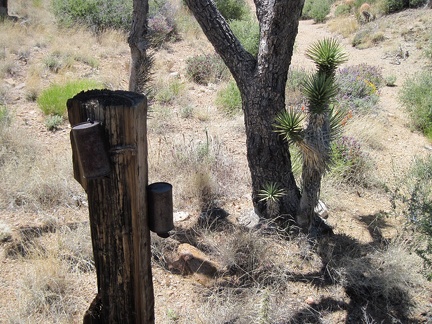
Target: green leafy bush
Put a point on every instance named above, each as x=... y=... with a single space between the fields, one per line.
x=316 y=10
x=98 y=14
x=349 y=162
x=247 y=31
x=391 y=6
x=232 y=9
x=168 y=91
x=358 y=87
x=4 y=117
x=417 y=3
x=229 y=98
x=206 y=68
x=52 y=100
x=342 y=10
x=296 y=77
x=413 y=198
x=390 y=80
x=162 y=22
x=416 y=96
x=428 y=48
x=101 y=14
x=53 y=122
x=367 y=37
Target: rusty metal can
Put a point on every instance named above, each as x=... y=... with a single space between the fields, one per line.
x=91 y=150
x=160 y=208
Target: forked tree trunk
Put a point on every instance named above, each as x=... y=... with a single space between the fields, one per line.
x=261 y=82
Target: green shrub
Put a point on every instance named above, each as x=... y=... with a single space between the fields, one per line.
x=296 y=77
x=162 y=23
x=349 y=162
x=232 y=9
x=4 y=117
x=417 y=3
x=416 y=96
x=358 y=87
x=367 y=37
x=413 y=198
x=206 y=68
x=247 y=31
x=342 y=10
x=52 y=100
x=53 y=122
x=390 y=6
x=97 y=14
x=390 y=80
x=168 y=91
x=187 y=111
x=316 y=10
x=229 y=99
x=428 y=48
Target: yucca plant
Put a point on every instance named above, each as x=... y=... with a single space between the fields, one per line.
x=327 y=55
x=323 y=124
x=271 y=194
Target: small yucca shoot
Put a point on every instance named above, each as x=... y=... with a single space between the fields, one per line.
x=271 y=194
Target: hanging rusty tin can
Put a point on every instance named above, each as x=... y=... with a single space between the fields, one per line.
x=91 y=150
x=160 y=208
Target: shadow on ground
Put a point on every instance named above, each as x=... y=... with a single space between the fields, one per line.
x=374 y=296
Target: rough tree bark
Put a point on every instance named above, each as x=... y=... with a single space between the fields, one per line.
x=138 y=43
x=3 y=8
x=261 y=82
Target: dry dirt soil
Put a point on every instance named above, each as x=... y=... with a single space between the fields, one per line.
x=388 y=138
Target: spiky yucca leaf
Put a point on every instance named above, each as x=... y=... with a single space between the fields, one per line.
x=272 y=192
x=319 y=89
x=289 y=124
x=327 y=55
x=337 y=118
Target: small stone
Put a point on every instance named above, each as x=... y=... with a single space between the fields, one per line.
x=310 y=300
x=249 y=219
x=180 y=216
x=321 y=209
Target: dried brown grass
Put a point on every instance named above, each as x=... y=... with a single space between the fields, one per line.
x=55 y=275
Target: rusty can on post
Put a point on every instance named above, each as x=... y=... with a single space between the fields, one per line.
x=91 y=149
x=160 y=207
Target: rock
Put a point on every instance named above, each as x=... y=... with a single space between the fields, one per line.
x=321 y=209
x=190 y=260
x=310 y=300
x=249 y=219
x=174 y=75
x=180 y=216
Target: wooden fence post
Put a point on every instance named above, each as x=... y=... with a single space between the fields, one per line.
x=117 y=206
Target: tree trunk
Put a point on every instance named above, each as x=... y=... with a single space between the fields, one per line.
x=261 y=82
x=3 y=8
x=138 y=43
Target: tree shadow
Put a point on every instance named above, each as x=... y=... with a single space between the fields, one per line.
x=374 y=298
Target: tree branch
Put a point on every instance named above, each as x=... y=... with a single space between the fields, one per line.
x=239 y=61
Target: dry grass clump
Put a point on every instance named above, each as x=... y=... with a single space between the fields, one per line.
x=199 y=168
x=378 y=281
x=53 y=281
x=30 y=179
x=273 y=278
x=346 y=26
